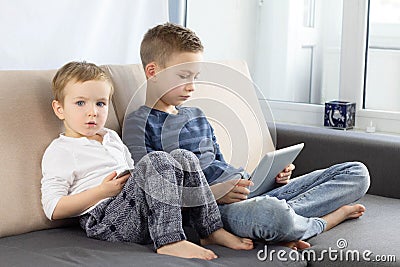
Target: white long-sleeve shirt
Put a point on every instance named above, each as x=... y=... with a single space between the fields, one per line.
x=73 y=165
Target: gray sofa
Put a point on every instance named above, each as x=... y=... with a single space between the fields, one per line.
x=27 y=238
x=379 y=229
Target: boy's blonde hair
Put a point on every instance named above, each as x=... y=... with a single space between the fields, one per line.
x=77 y=72
x=160 y=42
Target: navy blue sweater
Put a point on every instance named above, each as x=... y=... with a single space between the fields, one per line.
x=147 y=130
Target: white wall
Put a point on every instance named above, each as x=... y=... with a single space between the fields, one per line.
x=46 y=34
x=227 y=28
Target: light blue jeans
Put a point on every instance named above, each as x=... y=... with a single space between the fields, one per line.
x=291 y=212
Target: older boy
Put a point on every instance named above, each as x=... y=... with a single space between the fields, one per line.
x=80 y=168
x=289 y=213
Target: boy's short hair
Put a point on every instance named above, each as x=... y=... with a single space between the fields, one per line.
x=77 y=72
x=160 y=42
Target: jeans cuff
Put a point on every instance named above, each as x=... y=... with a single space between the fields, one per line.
x=318 y=227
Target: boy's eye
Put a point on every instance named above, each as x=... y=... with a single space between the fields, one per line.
x=183 y=76
x=80 y=103
x=101 y=104
x=188 y=76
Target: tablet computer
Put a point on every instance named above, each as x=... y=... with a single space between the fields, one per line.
x=270 y=166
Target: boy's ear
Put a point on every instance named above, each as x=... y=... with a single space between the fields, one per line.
x=151 y=70
x=58 y=109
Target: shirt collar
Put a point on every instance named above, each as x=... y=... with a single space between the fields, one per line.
x=84 y=140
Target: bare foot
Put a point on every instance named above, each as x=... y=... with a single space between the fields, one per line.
x=343 y=213
x=186 y=249
x=299 y=244
x=224 y=238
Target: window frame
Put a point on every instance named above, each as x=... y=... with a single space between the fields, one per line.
x=352 y=79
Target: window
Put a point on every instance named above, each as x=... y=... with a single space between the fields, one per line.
x=309 y=13
x=299 y=50
x=382 y=89
x=325 y=39
x=354 y=83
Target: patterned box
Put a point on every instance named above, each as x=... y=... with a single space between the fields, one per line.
x=340 y=114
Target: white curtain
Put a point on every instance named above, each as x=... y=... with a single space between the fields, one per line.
x=45 y=34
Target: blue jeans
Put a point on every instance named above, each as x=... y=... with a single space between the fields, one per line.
x=291 y=212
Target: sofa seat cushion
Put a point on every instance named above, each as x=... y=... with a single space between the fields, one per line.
x=70 y=247
x=376 y=231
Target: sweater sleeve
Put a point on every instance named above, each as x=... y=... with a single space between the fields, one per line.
x=135 y=136
x=205 y=145
x=219 y=170
x=57 y=177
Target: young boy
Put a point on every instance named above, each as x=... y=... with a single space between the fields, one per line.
x=80 y=168
x=298 y=210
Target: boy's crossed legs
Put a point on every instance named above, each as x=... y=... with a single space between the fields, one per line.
x=293 y=211
x=148 y=209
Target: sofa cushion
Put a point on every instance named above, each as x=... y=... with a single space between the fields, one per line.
x=129 y=87
x=228 y=97
x=28 y=125
x=70 y=247
x=367 y=241
x=226 y=94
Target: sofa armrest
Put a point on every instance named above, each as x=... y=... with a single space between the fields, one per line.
x=325 y=147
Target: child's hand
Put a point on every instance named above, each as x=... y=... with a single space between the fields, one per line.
x=231 y=191
x=111 y=187
x=284 y=176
